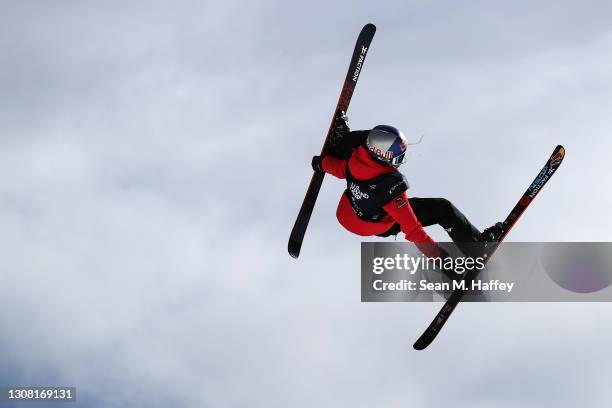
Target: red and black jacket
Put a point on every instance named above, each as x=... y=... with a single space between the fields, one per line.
x=382 y=208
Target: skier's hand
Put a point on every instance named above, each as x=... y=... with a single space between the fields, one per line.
x=338 y=144
x=341 y=123
x=317 y=164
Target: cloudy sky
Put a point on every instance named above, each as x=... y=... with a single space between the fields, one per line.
x=153 y=156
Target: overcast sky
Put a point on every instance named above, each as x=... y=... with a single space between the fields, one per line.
x=153 y=156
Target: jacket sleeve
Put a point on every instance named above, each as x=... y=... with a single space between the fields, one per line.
x=399 y=208
x=333 y=166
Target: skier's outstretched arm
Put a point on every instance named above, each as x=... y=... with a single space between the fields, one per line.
x=399 y=208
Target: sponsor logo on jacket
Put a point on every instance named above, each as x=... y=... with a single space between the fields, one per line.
x=396 y=185
x=357 y=193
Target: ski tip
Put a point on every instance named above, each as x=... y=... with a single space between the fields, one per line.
x=421 y=343
x=561 y=150
x=369 y=26
x=557 y=156
x=294 y=249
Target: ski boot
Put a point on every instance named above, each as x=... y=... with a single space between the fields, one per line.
x=490 y=237
x=493 y=233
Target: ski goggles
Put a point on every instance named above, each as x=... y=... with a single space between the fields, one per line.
x=399 y=159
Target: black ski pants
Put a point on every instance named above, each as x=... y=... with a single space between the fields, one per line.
x=430 y=211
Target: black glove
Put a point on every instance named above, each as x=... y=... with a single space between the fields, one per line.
x=317 y=164
x=341 y=123
x=337 y=144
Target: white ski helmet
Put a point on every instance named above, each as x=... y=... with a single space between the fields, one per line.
x=387 y=144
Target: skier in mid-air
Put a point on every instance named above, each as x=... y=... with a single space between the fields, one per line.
x=375 y=201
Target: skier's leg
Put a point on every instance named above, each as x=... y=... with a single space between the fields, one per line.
x=430 y=211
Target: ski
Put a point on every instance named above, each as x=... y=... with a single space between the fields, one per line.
x=301 y=223
x=536 y=186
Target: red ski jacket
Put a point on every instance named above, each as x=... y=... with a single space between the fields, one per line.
x=363 y=167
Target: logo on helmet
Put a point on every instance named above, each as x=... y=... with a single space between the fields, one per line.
x=387 y=155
